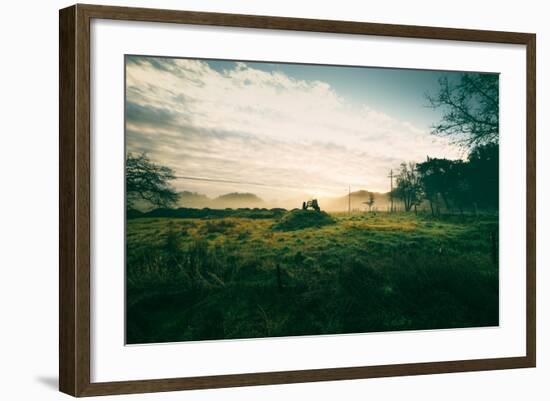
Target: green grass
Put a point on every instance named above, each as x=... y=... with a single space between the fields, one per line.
x=236 y=277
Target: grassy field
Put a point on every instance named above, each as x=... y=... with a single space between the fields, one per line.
x=305 y=273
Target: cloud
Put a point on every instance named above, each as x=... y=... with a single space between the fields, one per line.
x=252 y=125
x=151 y=116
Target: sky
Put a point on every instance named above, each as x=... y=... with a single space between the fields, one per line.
x=280 y=130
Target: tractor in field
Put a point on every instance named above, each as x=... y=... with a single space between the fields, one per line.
x=311 y=204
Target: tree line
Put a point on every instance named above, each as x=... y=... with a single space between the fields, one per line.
x=455 y=185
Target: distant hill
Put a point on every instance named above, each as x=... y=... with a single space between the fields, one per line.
x=193 y=200
x=357 y=199
x=233 y=200
x=237 y=200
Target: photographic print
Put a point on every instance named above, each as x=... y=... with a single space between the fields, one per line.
x=282 y=199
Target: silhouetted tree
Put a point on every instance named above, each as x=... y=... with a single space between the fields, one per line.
x=471 y=106
x=462 y=184
x=435 y=180
x=483 y=173
x=148 y=181
x=409 y=188
x=459 y=185
x=370 y=201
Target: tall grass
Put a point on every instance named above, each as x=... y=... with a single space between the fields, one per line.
x=206 y=280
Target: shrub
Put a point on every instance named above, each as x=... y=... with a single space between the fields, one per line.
x=300 y=219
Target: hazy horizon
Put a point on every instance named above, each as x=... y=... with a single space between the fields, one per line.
x=237 y=200
x=279 y=131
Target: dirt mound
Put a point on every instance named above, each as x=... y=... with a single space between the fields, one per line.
x=300 y=219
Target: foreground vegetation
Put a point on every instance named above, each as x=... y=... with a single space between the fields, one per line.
x=292 y=274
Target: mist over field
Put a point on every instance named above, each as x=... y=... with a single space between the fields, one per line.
x=355 y=200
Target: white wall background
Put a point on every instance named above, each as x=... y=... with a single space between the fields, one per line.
x=28 y=199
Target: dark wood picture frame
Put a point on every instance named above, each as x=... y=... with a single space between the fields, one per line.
x=74 y=200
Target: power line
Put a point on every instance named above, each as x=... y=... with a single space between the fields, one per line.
x=226 y=181
x=223 y=181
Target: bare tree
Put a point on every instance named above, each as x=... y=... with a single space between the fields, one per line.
x=409 y=187
x=370 y=201
x=471 y=105
x=148 y=182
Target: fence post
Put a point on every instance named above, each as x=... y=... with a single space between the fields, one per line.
x=494 y=251
x=279 y=283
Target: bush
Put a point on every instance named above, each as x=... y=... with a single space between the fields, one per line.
x=300 y=219
x=206 y=213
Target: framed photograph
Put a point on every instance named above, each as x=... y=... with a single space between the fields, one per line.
x=250 y=200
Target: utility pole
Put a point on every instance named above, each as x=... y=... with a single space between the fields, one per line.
x=391 y=190
x=349 y=199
